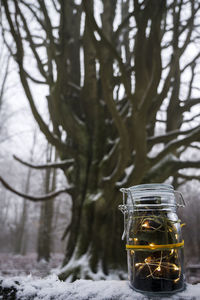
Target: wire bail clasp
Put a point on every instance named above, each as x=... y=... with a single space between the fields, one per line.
x=180 y=201
x=123 y=208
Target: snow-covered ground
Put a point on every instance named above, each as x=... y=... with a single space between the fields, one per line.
x=15 y=276
x=19 y=265
x=50 y=288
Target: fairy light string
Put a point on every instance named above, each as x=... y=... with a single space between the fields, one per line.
x=157 y=266
x=163 y=260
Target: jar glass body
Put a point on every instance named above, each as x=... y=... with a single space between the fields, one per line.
x=153 y=240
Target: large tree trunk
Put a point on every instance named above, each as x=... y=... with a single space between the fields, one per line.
x=95 y=232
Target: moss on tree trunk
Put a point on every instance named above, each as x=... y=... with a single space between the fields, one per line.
x=99 y=242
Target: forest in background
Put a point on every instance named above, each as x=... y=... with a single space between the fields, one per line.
x=114 y=90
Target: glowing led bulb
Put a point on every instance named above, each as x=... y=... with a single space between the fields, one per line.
x=145 y=224
x=152 y=244
x=135 y=239
x=137 y=265
x=158 y=268
x=176 y=268
x=147 y=260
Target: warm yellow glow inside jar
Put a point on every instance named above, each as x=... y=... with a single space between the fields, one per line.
x=154 y=241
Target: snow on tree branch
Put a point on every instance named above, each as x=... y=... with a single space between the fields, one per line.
x=175 y=144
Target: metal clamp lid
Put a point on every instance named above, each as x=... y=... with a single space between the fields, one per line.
x=125 y=208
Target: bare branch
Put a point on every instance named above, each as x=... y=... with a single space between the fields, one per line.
x=51 y=137
x=34 y=79
x=123 y=23
x=186 y=164
x=189 y=103
x=190 y=90
x=45 y=197
x=189 y=177
x=171 y=165
x=30 y=7
x=175 y=144
x=190 y=63
x=3 y=84
x=168 y=136
x=19 y=59
x=49 y=32
x=162 y=95
x=194 y=147
x=61 y=164
x=55 y=6
x=32 y=45
x=190 y=25
x=191 y=119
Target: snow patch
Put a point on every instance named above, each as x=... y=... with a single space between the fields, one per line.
x=85 y=270
x=95 y=197
x=51 y=288
x=128 y=172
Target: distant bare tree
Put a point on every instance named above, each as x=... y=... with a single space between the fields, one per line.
x=44 y=244
x=111 y=83
x=4 y=65
x=21 y=232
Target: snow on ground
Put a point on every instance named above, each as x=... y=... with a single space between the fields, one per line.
x=51 y=288
x=18 y=265
x=15 y=268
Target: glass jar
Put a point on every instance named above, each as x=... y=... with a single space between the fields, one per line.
x=154 y=241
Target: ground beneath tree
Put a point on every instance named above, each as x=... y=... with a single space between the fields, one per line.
x=50 y=288
x=19 y=265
